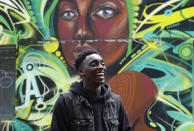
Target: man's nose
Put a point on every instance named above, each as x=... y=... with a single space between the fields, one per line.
x=83 y=31
x=101 y=66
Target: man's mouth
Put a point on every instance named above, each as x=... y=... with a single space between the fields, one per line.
x=100 y=74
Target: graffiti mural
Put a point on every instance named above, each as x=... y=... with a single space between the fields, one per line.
x=7 y=81
x=147 y=46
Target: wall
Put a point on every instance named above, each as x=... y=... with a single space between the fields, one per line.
x=147 y=46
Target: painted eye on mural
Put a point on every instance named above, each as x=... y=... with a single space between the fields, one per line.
x=68 y=14
x=105 y=13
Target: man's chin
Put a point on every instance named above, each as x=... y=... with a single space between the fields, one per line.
x=102 y=82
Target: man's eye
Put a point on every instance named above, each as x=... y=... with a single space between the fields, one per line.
x=93 y=64
x=106 y=13
x=68 y=14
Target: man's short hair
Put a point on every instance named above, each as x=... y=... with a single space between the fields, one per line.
x=80 y=58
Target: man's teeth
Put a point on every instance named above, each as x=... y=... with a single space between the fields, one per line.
x=100 y=74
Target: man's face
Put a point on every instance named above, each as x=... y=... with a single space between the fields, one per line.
x=93 y=69
x=87 y=24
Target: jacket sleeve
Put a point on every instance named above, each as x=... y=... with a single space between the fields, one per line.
x=59 y=118
x=123 y=120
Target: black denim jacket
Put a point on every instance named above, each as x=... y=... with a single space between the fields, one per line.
x=73 y=112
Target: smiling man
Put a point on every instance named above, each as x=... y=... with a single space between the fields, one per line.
x=90 y=105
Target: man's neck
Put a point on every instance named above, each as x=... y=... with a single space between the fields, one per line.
x=92 y=89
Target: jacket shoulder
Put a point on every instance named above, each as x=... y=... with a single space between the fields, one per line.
x=116 y=96
x=67 y=96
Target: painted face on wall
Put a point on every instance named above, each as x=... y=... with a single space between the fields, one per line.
x=92 y=24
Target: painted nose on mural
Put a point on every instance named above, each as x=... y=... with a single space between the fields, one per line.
x=83 y=32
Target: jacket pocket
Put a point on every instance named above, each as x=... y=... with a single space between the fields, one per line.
x=79 y=125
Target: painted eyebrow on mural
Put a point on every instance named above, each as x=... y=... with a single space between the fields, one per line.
x=70 y=1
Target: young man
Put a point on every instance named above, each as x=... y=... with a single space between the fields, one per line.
x=89 y=105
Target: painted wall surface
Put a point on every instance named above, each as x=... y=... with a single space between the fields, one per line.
x=147 y=46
